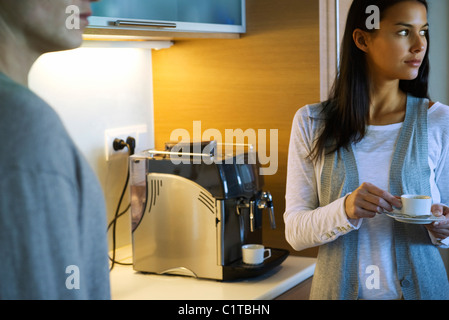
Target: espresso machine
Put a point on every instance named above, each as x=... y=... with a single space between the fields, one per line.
x=193 y=208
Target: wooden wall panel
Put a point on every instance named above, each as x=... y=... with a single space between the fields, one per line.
x=258 y=81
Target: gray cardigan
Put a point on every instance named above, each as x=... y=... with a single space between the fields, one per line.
x=421 y=272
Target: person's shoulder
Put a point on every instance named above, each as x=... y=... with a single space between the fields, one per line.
x=11 y=91
x=310 y=113
x=28 y=123
x=438 y=117
x=438 y=110
x=23 y=107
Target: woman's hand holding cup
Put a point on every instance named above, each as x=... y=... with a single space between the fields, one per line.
x=368 y=200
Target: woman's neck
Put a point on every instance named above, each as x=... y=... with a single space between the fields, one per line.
x=388 y=103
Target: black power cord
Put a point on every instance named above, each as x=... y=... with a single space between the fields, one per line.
x=119 y=144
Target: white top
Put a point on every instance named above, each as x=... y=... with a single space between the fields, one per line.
x=373 y=156
x=307 y=225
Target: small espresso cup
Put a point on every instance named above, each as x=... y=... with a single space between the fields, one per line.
x=416 y=205
x=254 y=253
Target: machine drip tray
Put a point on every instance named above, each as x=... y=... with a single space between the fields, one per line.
x=240 y=270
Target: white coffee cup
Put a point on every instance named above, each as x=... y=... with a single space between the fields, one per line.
x=416 y=205
x=254 y=253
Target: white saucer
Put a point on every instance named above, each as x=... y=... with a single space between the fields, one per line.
x=401 y=217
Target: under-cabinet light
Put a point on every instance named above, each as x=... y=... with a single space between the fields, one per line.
x=126 y=44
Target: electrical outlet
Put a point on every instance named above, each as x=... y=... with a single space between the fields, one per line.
x=138 y=132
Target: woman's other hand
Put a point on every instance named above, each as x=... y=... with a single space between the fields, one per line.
x=439 y=229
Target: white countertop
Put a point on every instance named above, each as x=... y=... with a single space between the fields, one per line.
x=127 y=284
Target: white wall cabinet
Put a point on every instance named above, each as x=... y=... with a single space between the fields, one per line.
x=145 y=17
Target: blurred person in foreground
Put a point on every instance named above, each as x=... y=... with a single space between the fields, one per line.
x=52 y=214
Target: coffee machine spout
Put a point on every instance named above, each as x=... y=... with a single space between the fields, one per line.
x=251 y=216
x=266 y=201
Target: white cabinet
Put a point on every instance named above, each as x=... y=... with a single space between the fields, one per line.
x=135 y=17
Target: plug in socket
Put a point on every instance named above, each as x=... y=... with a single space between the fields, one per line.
x=137 y=132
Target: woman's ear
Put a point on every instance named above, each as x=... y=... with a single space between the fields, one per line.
x=360 y=38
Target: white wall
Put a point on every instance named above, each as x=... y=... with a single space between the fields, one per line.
x=329 y=46
x=95 y=89
x=439 y=50
x=439 y=63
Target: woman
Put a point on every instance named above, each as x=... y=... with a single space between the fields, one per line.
x=377 y=137
x=53 y=241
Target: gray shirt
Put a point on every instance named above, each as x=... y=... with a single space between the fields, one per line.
x=52 y=215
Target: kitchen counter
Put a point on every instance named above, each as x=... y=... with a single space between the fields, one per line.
x=127 y=284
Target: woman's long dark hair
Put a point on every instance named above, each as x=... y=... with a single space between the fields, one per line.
x=347 y=110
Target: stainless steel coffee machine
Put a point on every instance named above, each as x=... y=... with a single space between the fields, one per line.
x=192 y=210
